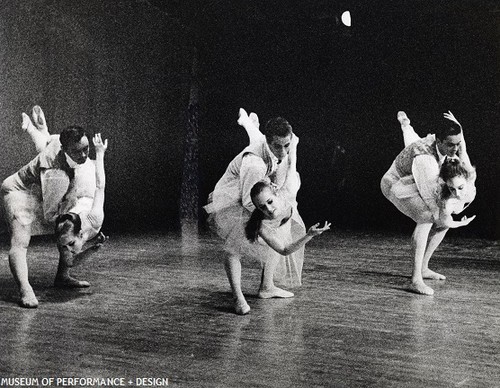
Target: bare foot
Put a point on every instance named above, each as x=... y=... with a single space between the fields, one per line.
x=274 y=292
x=421 y=288
x=403 y=118
x=241 y=307
x=28 y=299
x=243 y=118
x=70 y=282
x=27 y=125
x=255 y=119
x=429 y=274
x=39 y=118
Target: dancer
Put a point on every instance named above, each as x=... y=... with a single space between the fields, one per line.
x=64 y=153
x=271 y=225
x=430 y=180
x=230 y=205
x=73 y=230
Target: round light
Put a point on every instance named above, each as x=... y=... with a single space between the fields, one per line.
x=346 y=18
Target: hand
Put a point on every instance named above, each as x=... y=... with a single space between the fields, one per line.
x=465 y=221
x=315 y=230
x=100 y=146
x=100 y=240
x=451 y=117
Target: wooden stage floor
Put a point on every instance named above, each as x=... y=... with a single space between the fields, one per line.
x=159 y=307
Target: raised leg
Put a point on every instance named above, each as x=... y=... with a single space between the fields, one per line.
x=409 y=134
x=20 y=239
x=250 y=123
x=233 y=271
x=38 y=132
x=39 y=120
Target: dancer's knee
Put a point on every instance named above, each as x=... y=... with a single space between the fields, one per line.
x=17 y=253
x=231 y=259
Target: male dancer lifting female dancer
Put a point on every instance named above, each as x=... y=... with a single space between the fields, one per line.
x=270 y=156
x=58 y=154
x=431 y=179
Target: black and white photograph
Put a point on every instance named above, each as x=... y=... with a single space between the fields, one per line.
x=260 y=193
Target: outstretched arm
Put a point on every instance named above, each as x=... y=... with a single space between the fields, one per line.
x=448 y=222
x=277 y=244
x=74 y=260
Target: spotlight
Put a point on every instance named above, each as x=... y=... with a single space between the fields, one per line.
x=346 y=18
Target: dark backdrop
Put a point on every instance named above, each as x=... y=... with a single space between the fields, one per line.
x=341 y=89
x=123 y=68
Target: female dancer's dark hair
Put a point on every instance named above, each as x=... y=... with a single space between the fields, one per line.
x=451 y=168
x=65 y=222
x=253 y=225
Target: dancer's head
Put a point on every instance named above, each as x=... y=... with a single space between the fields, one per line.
x=69 y=233
x=278 y=136
x=265 y=200
x=75 y=143
x=267 y=206
x=448 y=137
x=455 y=176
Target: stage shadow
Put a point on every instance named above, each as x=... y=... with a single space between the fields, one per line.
x=385 y=274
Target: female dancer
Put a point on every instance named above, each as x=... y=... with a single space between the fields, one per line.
x=73 y=230
x=271 y=156
x=430 y=180
x=271 y=226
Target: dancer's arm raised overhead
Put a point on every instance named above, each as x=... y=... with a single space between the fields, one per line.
x=292 y=182
x=100 y=176
x=462 y=151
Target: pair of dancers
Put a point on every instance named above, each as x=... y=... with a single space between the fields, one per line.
x=431 y=179
x=70 y=189
x=253 y=208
